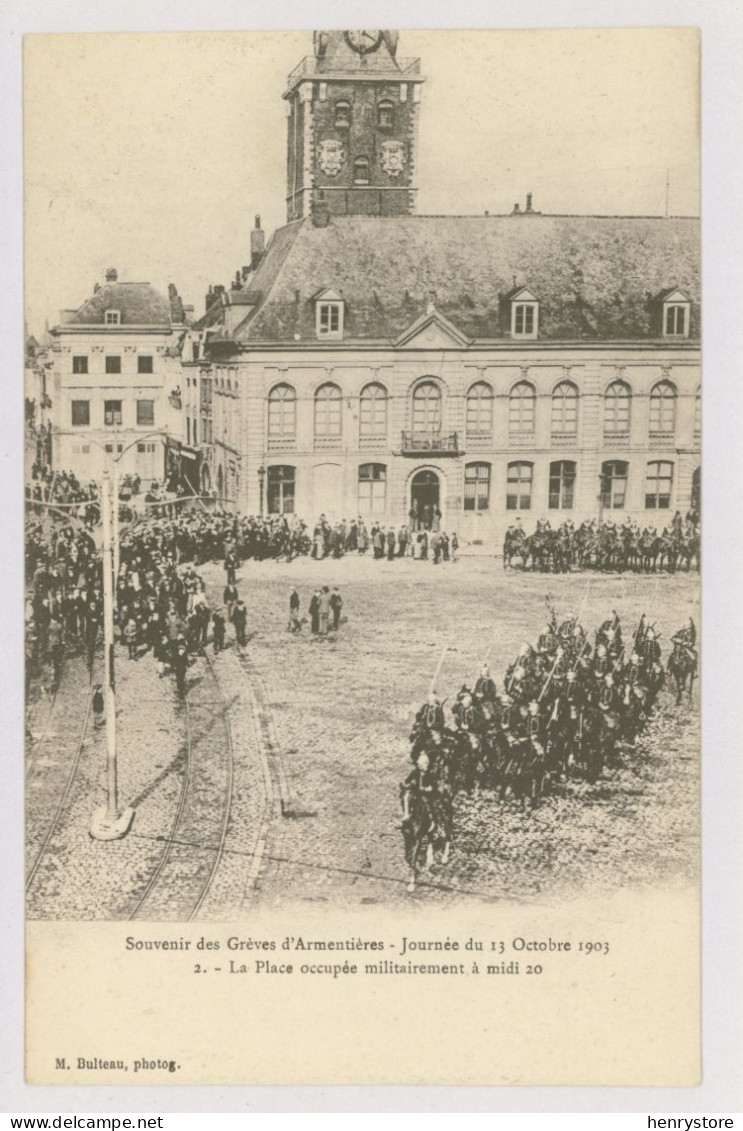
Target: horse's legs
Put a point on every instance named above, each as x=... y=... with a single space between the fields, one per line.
x=429 y=854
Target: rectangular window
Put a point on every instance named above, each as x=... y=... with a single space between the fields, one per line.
x=658 y=486
x=112 y=413
x=146 y=413
x=477 y=487
x=329 y=318
x=80 y=364
x=614 y=484
x=372 y=488
x=144 y=363
x=80 y=414
x=562 y=485
x=113 y=317
x=280 y=490
x=675 y=326
x=524 y=320
x=113 y=364
x=188 y=430
x=518 y=495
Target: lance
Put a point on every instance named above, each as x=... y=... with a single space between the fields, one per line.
x=580 y=654
x=577 y=616
x=438 y=668
x=549 y=678
x=614 y=665
x=513 y=673
x=490 y=648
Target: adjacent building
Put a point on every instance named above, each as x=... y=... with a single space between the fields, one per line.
x=116 y=378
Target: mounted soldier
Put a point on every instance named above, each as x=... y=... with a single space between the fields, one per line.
x=485 y=685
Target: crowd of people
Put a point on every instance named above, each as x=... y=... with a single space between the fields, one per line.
x=564 y=707
x=605 y=545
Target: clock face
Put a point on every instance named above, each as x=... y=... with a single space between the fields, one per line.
x=363 y=41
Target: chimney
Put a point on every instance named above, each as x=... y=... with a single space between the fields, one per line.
x=111 y=274
x=516 y=208
x=209 y=299
x=486 y=212
x=528 y=202
x=257 y=244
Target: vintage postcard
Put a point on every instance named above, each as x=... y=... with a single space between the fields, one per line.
x=362 y=564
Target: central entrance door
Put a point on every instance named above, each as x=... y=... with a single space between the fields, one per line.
x=425 y=490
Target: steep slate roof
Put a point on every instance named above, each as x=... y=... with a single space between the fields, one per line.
x=596 y=277
x=140 y=305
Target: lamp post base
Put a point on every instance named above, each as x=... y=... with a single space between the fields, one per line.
x=105 y=827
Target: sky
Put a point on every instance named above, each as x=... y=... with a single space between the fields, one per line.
x=152 y=153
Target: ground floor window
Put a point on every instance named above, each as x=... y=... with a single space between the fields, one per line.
x=658 y=485
x=562 y=485
x=477 y=486
x=372 y=488
x=518 y=494
x=280 y=489
x=613 y=484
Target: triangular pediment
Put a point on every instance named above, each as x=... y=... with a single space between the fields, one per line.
x=327 y=295
x=432 y=331
x=676 y=295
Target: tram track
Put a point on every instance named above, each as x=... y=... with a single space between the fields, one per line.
x=195 y=845
x=61 y=805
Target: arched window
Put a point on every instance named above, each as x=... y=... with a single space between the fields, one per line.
x=385 y=115
x=521 y=407
x=698 y=415
x=613 y=483
x=477 y=487
x=281 y=481
x=617 y=403
x=480 y=415
x=663 y=408
x=373 y=415
x=518 y=493
x=372 y=488
x=361 y=171
x=565 y=409
x=282 y=417
x=426 y=408
x=562 y=485
x=342 y=115
x=328 y=415
x=658 y=485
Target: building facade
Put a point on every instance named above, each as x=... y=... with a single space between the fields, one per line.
x=370 y=360
x=117 y=379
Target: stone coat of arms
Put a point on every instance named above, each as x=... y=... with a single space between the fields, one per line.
x=392 y=158
x=331 y=157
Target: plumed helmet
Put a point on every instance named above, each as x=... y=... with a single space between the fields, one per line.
x=533 y=707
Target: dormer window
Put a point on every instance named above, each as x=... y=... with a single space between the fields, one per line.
x=329 y=315
x=676 y=314
x=113 y=317
x=524 y=314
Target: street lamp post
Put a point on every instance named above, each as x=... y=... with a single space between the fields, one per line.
x=261 y=477
x=108 y=822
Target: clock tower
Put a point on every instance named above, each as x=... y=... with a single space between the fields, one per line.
x=353 y=128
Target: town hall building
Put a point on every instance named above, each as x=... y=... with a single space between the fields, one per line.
x=492 y=366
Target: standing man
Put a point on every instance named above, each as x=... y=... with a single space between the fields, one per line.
x=294 y=621
x=230 y=598
x=240 y=620
x=219 y=625
x=391 y=544
x=315 y=612
x=336 y=604
x=324 y=610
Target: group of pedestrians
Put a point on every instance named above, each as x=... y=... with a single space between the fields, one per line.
x=324 y=611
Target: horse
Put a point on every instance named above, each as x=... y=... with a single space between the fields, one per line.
x=425 y=826
x=513 y=547
x=681 y=667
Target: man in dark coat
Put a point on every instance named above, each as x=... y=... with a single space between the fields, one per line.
x=240 y=620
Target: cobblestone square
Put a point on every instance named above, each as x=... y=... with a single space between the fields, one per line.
x=277 y=782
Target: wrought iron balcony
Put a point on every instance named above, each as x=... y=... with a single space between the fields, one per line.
x=431 y=443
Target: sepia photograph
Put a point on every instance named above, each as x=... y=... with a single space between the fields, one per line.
x=368 y=572
x=362 y=564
